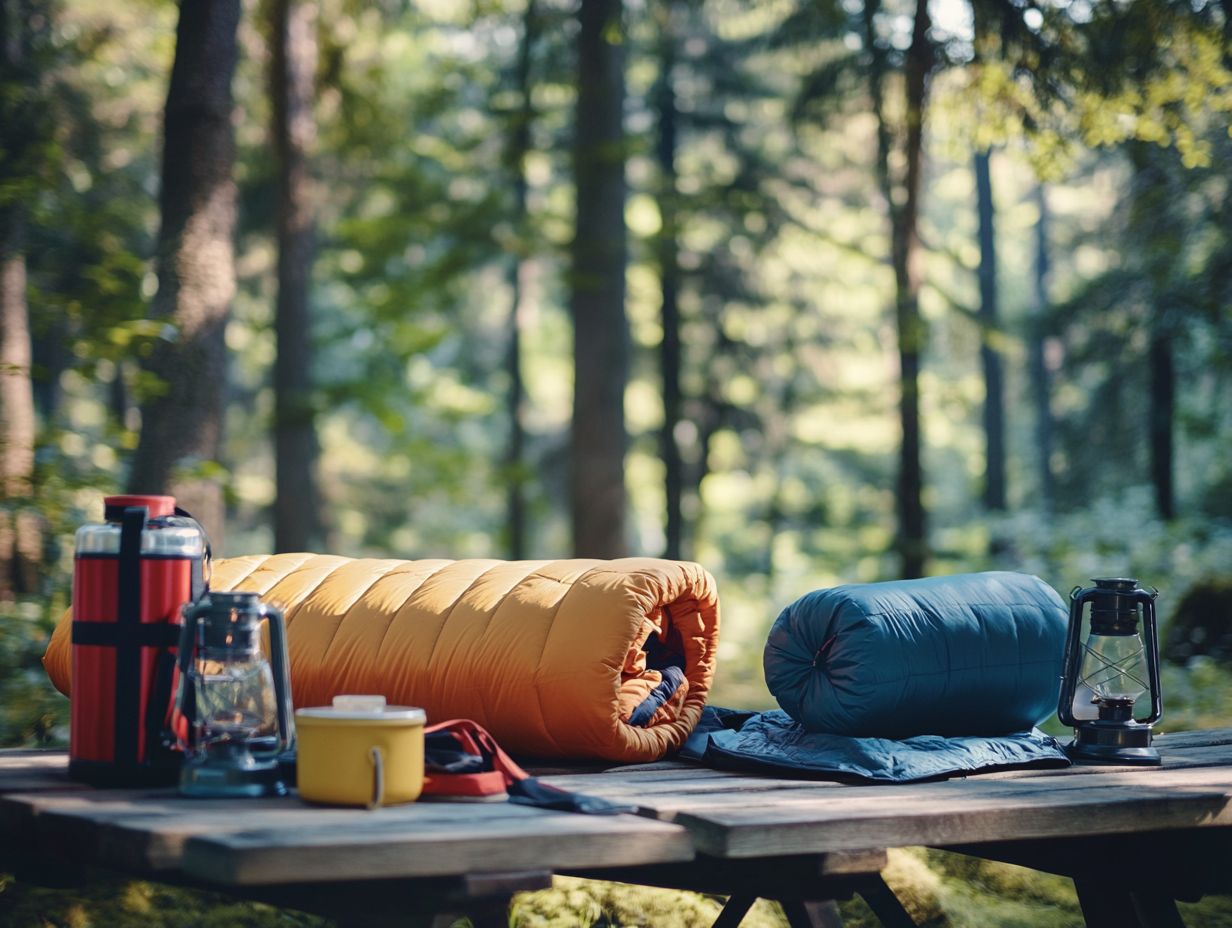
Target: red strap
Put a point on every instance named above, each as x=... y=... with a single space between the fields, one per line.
x=475 y=739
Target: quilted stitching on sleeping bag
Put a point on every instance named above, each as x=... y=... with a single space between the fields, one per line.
x=549 y=656
x=969 y=654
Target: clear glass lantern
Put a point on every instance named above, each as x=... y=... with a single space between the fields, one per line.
x=233 y=704
x=1106 y=677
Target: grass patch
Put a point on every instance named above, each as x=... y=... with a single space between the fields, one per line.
x=114 y=902
x=576 y=903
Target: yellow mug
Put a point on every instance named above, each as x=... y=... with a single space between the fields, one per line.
x=360 y=752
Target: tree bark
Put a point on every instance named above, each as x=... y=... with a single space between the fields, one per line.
x=912 y=537
x=49 y=352
x=1041 y=378
x=600 y=328
x=21 y=540
x=1157 y=231
x=297 y=516
x=21 y=537
x=1162 y=415
x=668 y=252
x=182 y=425
x=519 y=147
x=990 y=355
x=907 y=274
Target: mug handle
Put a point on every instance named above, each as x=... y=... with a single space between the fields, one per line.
x=378 y=777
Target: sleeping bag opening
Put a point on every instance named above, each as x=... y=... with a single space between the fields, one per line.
x=653 y=684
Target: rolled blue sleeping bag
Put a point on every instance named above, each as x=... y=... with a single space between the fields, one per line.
x=970 y=654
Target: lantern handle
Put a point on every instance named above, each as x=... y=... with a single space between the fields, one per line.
x=279 y=665
x=1070 y=661
x=184 y=709
x=1151 y=630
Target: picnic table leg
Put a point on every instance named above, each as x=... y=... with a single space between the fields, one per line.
x=1105 y=906
x=812 y=914
x=884 y=903
x=1157 y=911
x=493 y=915
x=737 y=907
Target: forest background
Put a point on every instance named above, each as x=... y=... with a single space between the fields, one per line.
x=807 y=292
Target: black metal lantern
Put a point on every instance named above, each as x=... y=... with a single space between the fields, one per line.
x=1108 y=674
x=233 y=706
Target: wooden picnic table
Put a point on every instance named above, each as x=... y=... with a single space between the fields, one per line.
x=1133 y=839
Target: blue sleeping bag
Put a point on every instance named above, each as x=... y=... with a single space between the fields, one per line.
x=971 y=654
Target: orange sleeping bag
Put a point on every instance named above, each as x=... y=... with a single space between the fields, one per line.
x=552 y=657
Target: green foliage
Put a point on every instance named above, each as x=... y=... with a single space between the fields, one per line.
x=123 y=903
x=1198 y=695
x=585 y=903
x=31 y=712
x=1153 y=71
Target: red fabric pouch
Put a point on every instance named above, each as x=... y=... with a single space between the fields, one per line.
x=462 y=761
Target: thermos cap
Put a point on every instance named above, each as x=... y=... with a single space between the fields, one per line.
x=171 y=536
x=159 y=506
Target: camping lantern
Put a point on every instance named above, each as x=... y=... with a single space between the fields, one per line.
x=233 y=706
x=1107 y=676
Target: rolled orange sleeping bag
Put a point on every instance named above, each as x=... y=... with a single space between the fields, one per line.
x=550 y=656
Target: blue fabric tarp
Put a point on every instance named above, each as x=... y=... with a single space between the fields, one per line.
x=773 y=742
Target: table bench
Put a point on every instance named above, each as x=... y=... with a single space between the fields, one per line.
x=1133 y=839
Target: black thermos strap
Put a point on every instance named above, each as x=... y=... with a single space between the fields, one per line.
x=202 y=566
x=128 y=649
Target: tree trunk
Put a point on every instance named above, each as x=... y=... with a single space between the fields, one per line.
x=297 y=516
x=990 y=355
x=1162 y=414
x=597 y=303
x=1157 y=232
x=907 y=275
x=21 y=537
x=519 y=147
x=668 y=249
x=778 y=438
x=49 y=350
x=181 y=433
x=1041 y=386
x=912 y=539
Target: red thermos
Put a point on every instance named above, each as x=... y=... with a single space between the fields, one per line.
x=131 y=576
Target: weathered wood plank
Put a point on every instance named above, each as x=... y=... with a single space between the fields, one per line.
x=941 y=796
x=432 y=847
x=813 y=828
x=1174 y=755
x=146 y=832
x=26 y=771
x=1203 y=737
